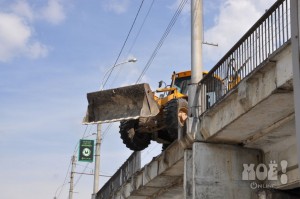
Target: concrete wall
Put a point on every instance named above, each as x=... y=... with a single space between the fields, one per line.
x=217 y=171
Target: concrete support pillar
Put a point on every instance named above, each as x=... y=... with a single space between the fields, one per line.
x=217 y=171
x=295 y=28
x=188 y=174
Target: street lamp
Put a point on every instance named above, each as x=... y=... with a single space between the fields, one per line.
x=98 y=138
x=133 y=60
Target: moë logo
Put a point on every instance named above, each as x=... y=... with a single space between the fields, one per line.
x=262 y=172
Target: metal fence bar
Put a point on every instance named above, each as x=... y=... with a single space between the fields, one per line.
x=266 y=36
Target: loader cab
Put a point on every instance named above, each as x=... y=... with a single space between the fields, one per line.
x=181 y=81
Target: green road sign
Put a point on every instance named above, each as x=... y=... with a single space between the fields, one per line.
x=86 y=151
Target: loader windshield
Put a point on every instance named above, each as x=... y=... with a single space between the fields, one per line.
x=182 y=84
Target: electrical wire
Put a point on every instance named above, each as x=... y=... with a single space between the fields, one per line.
x=150 y=150
x=134 y=40
x=141 y=27
x=75 y=150
x=91 y=169
x=64 y=183
x=133 y=44
x=160 y=43
x=136 y=16
x=163 y=38
x=76 y=147
x=86 y=166
x=107 y=130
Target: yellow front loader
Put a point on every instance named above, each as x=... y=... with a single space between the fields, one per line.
x=144 y=115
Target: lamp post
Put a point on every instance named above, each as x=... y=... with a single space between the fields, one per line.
x=133 y=60
x=98 y=136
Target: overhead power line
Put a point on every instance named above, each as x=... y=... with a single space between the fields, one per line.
x=106 y=130
x=141 y=27
x=135 y=39
x=136 y=16
x=76 y=147
x=160 y=43
x=81 y=173
x=65 y=180
x=67 y=174
x=86 y=166
x=163 y=38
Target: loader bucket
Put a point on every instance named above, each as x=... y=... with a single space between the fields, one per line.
x=130 y=102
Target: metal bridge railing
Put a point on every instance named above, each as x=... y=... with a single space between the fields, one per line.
x=124 y=173
x=263 y=39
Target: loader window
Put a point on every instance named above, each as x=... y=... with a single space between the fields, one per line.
x=182 y=84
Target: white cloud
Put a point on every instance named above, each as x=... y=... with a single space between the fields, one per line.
x=13 y=30
x=23 y=9
x=234 y=19
x=16 y=39
x=117 y=6
x=53 y=12
x=17 y=36
x=36 y=50
x=14 y=35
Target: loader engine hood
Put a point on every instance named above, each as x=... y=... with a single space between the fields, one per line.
x=124 y=103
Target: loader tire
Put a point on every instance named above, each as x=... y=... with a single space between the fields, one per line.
x=165 y=137
x=165 y=146
x=133 y=139
x=175 y=113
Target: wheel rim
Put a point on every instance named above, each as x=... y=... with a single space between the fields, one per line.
x=131 y=133
x=182 y=116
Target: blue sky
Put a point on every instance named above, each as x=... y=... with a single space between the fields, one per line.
x=53 y=52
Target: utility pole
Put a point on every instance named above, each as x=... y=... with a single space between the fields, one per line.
x=97 y=162
x=196 y=60
x=72 y=177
